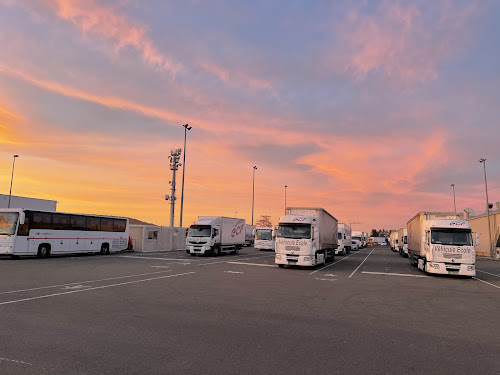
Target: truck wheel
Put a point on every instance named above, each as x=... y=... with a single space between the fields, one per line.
x=193 y=254
x=281 y=265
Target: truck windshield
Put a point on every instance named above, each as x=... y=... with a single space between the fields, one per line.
x=8 y=223
x=264 y=234
x=357 y=238
x=454 y=237
x=340 y=236
x=199 y=231
x=294 y=230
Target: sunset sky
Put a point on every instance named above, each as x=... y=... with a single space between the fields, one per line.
x=369 y=109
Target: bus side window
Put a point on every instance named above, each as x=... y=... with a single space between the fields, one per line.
x=23 y=228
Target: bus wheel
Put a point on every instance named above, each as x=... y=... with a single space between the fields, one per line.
x=43 y=251
x=104 y=249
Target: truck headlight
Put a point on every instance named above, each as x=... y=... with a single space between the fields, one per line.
x=278 y=256
x=435 y=265
x=307 y=259
x=470 y=268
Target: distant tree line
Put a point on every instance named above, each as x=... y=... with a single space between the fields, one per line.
x=379 y=233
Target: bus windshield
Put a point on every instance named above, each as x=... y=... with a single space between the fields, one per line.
x=199 y=231
x=294 y=230
x=264 y=234
x=8 y=223
x=454 y=237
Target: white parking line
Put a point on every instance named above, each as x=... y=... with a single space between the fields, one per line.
x=393 y=274
x=253 y=264
x=338 y=261
x=226 y=261
x=325 y=279
x=232 y=272
x=93 y=288
x=156 y=258
x=492 y=274
x=82 y=282
x=353 y=272
x=496 y=286
x=16 y=361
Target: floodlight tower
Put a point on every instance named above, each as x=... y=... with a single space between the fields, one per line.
x=175 y=155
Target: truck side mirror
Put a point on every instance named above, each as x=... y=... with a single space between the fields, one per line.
x=312 y=233
x=22 y=218
x=477 y=238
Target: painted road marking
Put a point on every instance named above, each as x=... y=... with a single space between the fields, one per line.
x=15 y=361
x=330 y=275
x=393 y=274
x=155 y=258
x=159 y=266
x=74 y=287
x=325 y=279
x=83 y=282
x=492 y=274
x=93 y=288
x=225 y=261
x=338 y=261
x=253 y=264
x=353 y=272
x=496 y=286
x=232 y=272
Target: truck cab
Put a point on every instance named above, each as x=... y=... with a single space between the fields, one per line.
x=448 y=247
x=264 y=238
x=202 y=238
x=297 y=241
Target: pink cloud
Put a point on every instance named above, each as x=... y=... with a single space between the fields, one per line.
x=398 y=42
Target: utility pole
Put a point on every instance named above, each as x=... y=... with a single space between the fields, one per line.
x=12 y=178
x=174 y=157
x=285 y=198
x=186 y=128
x=253 y=189
x=483 y=161
x=454 y=203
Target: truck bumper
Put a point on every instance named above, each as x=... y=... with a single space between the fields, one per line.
x=6 y=250
x=199 y=249
x=450 y=269
x=295 y=260
x=340 y=250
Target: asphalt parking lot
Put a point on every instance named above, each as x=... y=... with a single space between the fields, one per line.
x=368 y=312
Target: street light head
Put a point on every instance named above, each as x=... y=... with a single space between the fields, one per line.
x=482 y=160
x=452 y=185
x=286 y=186
x=255 y=167
x=187 y=126
x=16 y=156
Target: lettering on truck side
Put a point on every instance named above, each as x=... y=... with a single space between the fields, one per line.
x=291 y=242
x=447 y=249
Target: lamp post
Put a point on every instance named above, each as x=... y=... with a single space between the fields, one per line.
x=454 y=202
x=12 y=177
x=186 y=128
x=253 y=189
x=285 y=198
x=483 y=161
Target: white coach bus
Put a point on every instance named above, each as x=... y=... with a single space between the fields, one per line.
x=41 y=233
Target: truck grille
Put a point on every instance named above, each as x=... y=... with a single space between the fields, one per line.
x=450 y=256
x=198 y=243
x=292 y=248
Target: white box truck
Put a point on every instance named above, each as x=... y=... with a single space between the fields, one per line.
x=264 y=238
x=403 y=242
x=357 y=238
x=306 y=237
x=215 y=234
x=249 y=234
x=364 y=239
x=344 y=239
x=441 y=242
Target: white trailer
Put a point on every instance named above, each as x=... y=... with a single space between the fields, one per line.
x=306 y=237
x=344 y=239
x=357 y=237
x=249 y=234
x=441 y=242
x=216 y=234
x=264 y=238
x=393 y=240
x=403 y=242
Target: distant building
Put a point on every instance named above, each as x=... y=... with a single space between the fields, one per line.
x=28 y=203
x=479 y=226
